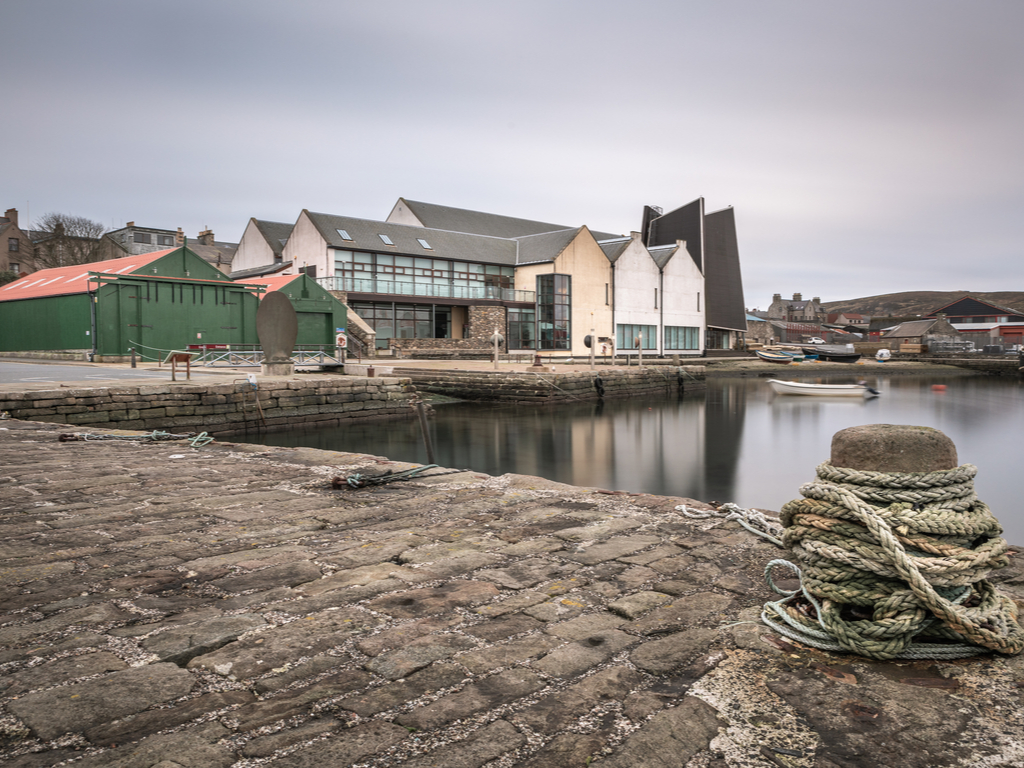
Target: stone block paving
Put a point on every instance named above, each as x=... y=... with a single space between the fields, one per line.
x=163 y=606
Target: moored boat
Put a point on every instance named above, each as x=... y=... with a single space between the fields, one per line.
x=771 y=356
x=821 y=390
x=834 y=353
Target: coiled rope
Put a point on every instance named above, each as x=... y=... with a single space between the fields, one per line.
x=358 y=480
x=156 y=436
x=893 y=565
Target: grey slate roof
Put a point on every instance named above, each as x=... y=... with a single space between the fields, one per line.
x=365 y=235
x=479 y=223
x=266 y=269
x=663 y=254
x=535 y=249
x=276 y=233
x=615 y=248
x=913 y=328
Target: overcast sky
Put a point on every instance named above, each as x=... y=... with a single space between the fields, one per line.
x=867 y=147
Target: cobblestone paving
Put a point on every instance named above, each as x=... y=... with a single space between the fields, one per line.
x=163 y=606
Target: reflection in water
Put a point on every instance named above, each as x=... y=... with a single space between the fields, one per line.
x=738 y=442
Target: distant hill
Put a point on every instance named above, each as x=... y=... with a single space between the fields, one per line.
x=912 y=303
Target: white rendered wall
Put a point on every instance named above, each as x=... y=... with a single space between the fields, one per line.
x=253 y=250
x=305 y=247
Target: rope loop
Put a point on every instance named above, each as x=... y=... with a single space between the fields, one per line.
x=893 y=565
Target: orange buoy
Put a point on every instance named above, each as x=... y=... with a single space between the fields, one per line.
x=938 y=387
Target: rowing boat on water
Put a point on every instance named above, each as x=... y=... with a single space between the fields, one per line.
x=821 y=390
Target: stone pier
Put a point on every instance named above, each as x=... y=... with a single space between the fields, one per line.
x=164 y=606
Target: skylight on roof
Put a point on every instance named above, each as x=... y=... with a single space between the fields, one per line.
x=424 y=243
x=344 y=235
x=385 y=239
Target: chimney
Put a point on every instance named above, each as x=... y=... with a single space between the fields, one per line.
x=816 y=299
x=12 y=215
x=179 y=237
x=206 y=237
x=776 y=297
x=130 y=224
x=798 y=297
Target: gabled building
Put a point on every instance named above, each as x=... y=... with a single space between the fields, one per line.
x=132 y=240
x=261 y=249
x=657 y=297
x=983 y=321
x=153 y=302
x=712 y=244
x=415 y=287
x=433 y=277
x=925 y=332
x=15 y=245
x=797 y=310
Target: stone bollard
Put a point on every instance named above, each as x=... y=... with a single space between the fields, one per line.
x=893 y=549
x=893 y=448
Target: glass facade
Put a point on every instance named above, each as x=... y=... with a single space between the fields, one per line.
x=717 y=339
x=405 y=321
x=521 y=328
x=682 y=337
x=417 y=276
x=626 y=337
x=554 y=310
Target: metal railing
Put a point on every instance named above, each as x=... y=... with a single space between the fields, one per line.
x=251 y=355
x=428 y=290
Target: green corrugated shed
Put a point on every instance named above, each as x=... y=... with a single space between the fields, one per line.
x=319 y=314
x=154 y=302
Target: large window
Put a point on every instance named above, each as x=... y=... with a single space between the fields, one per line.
x=717 y=339
x=12 y=244
x=418 y=276
x=143 y=237
x=636 y=337
x=682 y=337
x=405 y=321
x=554 y=309
x=521 y=326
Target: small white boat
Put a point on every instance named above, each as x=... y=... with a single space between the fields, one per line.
x=821 y=390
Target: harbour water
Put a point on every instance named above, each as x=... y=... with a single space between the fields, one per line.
x=736 y=442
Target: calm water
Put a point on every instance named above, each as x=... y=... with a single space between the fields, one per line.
x=738 y=442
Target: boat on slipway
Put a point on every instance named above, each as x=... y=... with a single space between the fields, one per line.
x=833 y=353
x=821 y=390
x=779 y=356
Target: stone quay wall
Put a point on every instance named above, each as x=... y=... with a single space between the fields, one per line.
x=218 y=408
x=554 y=387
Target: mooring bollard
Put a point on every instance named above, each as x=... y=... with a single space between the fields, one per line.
x=892 y=548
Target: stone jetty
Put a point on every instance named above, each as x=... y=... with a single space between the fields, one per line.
x=170 y=606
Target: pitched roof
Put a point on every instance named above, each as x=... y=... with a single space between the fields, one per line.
x=452 y=219
x=476 y=222
x=662 y=254
x=912 y=328
x=365 y=235
x=61 y=281
x=968 y=305
x=615 y=247
x=535 y=249
x=275 y=283
x=276 y=233
x=267 y=269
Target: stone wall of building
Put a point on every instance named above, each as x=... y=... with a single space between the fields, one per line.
x=217 y=409
x=484 y=320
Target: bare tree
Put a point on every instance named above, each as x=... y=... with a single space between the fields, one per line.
x=65 y=240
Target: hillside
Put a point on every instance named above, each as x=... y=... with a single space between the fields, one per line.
x=911 y=303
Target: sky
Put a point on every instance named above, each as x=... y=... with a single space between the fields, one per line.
x=867 y=147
